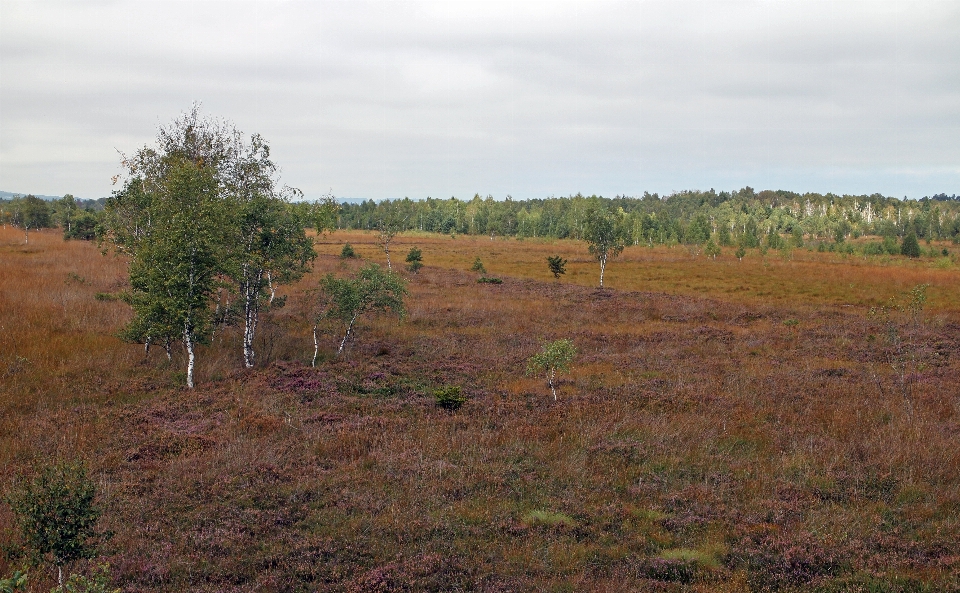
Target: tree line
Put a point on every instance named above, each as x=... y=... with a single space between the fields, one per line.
x=78 y=218
x=744 y=216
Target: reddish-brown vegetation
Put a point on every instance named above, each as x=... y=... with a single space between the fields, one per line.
x=727 y=426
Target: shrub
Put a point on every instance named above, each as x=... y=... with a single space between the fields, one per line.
x=99 y=582
x=486 y=280
x=557 y=265
x=414 y=260
x=478 y=266
x=16 y=582
x=711 y=249
x=56 y=514
x=910 y=247
x=347 y=251
x=449 y=397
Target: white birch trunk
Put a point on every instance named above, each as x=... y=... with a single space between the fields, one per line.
x=553 y=388
x=188 y=342
x=316 y=346
x=346 y=335
x=251 y=310
x=603 y=265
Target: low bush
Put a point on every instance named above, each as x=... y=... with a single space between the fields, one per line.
x=449 y=397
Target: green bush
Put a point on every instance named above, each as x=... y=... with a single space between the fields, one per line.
x=414 y=260
x=16 y=582
x=99 y=582
x=486 y=280
x=347 y=251
x=910 y=247
x=449 y=397
x=478 y=266
x=57 y=515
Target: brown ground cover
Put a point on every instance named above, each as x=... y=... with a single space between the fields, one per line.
x=728 y=426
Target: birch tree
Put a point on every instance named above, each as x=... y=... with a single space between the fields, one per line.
x=602 y=236
x=553 y=358
x=389 y=225
x=372 y=290
x=171 y=219
x=269 y=247
x=174 y=271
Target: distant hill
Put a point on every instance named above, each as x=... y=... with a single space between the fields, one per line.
x=6 y=195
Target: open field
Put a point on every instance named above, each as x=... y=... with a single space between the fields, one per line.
x=728 y=426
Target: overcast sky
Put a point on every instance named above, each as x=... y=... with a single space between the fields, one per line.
x=532 y=99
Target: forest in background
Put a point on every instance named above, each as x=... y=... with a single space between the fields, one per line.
x=689 y=217
x=744 y=217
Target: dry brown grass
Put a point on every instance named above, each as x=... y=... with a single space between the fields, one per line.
x=696 y=423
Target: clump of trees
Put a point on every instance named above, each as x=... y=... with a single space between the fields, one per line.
x=201 y=212
x=28 y=213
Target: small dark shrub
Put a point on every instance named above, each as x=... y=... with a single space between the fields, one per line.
x=478 y=266
x=347 y=251
x=557 y=265
x=414 y=260
x=910 y=246
x=486 y=280
x=449 y=397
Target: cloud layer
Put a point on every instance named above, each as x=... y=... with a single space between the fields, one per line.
x=392 y=99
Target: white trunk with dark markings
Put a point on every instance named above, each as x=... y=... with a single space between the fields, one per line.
x=188 y=342
x=251 y=307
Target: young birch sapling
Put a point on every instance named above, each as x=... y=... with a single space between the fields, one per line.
x=553 y=358
x=603 y=237
x=372 y=290
x=57 y=515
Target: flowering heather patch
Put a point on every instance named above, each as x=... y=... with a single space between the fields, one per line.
x=307 y=382
x=702 y=443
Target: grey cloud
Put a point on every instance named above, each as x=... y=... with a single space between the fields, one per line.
x=385 y=99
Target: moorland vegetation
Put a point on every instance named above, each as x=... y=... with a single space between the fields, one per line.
x=733 y=415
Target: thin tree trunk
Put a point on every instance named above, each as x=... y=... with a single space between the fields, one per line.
x=251 y=308
x=188 y=342
x=316 y=346
x=553 y=388
x=346 y=335
x=386 y=248
x=603 y=265
x=60 y=576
